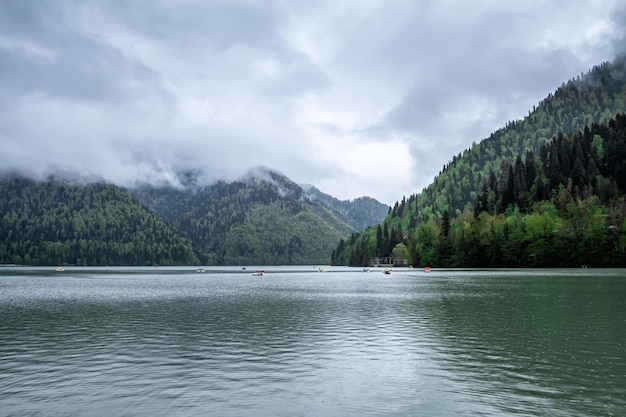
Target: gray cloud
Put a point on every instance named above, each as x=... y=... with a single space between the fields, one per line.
x=357 y=98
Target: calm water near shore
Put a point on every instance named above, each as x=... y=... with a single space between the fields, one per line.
x=299 y=342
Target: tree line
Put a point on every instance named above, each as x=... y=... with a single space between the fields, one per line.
x=56 y=222
x=564 y=207
x=250 y=222
x=525 y=168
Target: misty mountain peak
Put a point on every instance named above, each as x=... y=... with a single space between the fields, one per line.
x=283 y=185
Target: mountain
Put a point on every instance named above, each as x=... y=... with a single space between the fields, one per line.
x=477 y=183
x=262 y=218
x=60 y=222
x=360 y=213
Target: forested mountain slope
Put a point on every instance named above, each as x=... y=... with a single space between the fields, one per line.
x=595 y=97
x=262 y=220
x=56 y=222
x=360 y=213
x=469 y=184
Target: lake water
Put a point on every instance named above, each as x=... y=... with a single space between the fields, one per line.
x=298 y=342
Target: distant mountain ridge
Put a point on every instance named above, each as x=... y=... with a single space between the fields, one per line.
x=283 y=185
x=360 y=212
x=263 y=218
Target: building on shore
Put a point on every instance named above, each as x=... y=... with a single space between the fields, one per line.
x=388 y=261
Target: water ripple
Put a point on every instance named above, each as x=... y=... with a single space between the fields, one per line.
x=309 y=345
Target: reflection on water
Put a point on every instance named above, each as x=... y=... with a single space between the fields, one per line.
x=295 y=342
x=553 y=345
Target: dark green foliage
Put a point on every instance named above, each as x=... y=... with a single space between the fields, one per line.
x=511 y=199
x=595 y=97
x=359 y=213
x=262 y=222
x=581 y=220
x=55 y=222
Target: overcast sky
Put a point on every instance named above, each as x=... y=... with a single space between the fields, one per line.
x=355 y=97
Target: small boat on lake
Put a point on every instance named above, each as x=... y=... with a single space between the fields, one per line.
x=258 y=273
x=60 y=269
x=201 y=270
x=427 y=269
x=387 y=271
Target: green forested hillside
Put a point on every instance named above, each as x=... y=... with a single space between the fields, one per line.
x=478 y=183
x=251 y=222
x=263 y=221
x=359 y=213
x=55 y=222
x=595 y=97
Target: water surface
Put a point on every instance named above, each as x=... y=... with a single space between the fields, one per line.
x=297 y=342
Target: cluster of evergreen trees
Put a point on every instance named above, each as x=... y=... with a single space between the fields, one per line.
x=563 y=208
x=592 y=162
x=263 y=222
x=595 y=97
x=485 y=206
x=54 y=223
x=250 y=223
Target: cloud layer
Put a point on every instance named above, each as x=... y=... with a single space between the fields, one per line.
x=356 y=97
